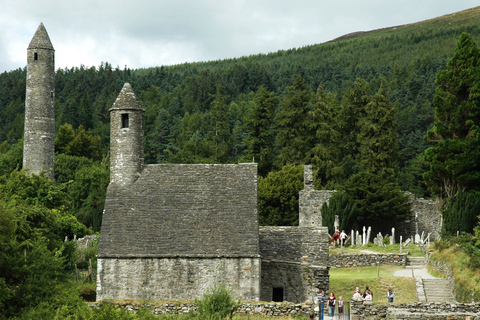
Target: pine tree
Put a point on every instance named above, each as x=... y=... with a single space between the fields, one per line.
x=259 y=127
x=219 y=134
x=326 y=151
x=295 y=126
x=453 y=160
x=377 y=138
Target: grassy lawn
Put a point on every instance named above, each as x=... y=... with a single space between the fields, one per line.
x=343 y=282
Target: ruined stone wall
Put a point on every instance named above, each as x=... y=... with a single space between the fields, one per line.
x=310 y=201
x=425 y=215
x=295 y=259
x=428 y=217
x=176 y=278
x=310 y=206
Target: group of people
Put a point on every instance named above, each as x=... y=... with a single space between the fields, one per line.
x=342 y=236
x=332 y=302
x=367 y=295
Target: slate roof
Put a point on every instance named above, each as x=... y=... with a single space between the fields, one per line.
x=194 y=210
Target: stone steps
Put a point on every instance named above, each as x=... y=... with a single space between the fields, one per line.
x=415 y=263
x=438 y=290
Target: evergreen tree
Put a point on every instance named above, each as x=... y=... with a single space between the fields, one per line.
x=259 y=127
x=377 y=138
x=278 y=196
x=461 y=214
x=85 y=112
x=326 y=151
x=352 y=110
x=341 y=205
x=295 y=127
x=378 y=200
x=454 y=157
x=219 y=134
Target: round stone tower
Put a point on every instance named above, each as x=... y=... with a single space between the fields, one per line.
x=39 y=132
x=126 y=138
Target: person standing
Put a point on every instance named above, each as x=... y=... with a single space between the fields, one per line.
x=331 y=304
x=390 y=295
x=321 y=304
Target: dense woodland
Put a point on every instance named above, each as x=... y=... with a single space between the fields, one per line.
x=361 y=109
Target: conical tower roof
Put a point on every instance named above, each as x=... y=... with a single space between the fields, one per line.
x=126 y=100
x=40 y=39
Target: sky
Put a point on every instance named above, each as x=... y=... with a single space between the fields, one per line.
x=150 y=33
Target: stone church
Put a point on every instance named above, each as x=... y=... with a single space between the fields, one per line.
x=172 y=231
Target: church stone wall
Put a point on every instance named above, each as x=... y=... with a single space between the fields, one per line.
x=294 y=259
x=176 y=278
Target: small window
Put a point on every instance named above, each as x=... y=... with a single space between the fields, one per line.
x=277 y=294
x=125 y=123
x=35 y=56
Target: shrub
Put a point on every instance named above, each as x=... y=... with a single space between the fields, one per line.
x=217 y=303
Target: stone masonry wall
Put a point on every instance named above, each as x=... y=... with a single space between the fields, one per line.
x=295 y=259
x=294 y=244
x=428 y=217
x=176 y=278
x=438 y=311
x=365 y=260
x=300 y=282
x=310 y=206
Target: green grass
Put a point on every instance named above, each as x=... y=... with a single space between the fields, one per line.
x=343 y=282
x=467 y=277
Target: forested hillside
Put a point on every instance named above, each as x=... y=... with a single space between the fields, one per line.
x=357 y=108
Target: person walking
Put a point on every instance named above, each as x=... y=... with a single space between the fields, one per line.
x=321 y=304
x=331 y=304
x=341 y=304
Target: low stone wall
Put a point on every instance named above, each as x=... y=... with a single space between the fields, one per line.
x=437 y=311
x=257 y=309
x=348 y=260
x=359 y=311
